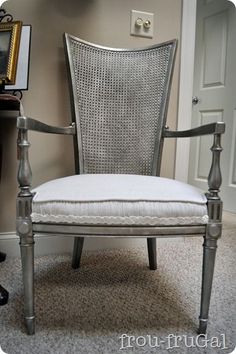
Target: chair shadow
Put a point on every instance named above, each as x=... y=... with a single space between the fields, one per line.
x=105 y=294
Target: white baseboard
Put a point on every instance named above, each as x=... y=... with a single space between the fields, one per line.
x=51 y=244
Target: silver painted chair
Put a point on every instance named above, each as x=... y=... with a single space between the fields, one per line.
x=119 y=107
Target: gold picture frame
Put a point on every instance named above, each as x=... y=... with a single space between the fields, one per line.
x=10 y=33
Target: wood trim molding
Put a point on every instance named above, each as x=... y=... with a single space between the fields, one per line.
x=186 y=87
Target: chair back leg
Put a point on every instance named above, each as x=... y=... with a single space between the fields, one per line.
x=152 y=253
x=77 y=251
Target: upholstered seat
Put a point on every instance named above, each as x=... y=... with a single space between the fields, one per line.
x=119 y=200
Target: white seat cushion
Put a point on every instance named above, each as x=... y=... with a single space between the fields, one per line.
x=106 y=199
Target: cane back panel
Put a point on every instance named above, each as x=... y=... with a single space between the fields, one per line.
x=119 y=102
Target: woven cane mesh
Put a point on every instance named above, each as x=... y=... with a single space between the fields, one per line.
x=119 y=103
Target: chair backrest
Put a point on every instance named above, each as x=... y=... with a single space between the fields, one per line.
x=119 y=103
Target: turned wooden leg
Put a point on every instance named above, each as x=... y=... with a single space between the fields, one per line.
x=25 y=232
x=213 y=233
x=77 y=251
x=24 y=229
x=27 y=260
x=152 y=253
x=213 y=230
x=209 y=252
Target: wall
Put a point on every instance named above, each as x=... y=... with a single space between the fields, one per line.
x=101 y=21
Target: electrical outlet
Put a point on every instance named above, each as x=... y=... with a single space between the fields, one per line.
x=141 y=24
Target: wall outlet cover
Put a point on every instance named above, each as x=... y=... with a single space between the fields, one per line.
x=141 y=24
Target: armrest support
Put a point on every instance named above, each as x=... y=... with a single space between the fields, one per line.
x=24 y=172
x=27 y=123
x=212 y=128
x=214 y=177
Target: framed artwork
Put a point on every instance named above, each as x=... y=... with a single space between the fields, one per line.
x=22 y=71
x=10 y=33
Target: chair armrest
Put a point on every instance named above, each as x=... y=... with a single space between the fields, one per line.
x=27 y=123
x=212 y=128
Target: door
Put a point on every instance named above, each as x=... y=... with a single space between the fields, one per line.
x=215 y=94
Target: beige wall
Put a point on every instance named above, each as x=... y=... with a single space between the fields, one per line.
x=100 y=21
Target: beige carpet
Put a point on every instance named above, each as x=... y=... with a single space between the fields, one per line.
x=114 y=293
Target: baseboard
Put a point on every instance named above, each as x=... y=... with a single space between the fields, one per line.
x=51 y=244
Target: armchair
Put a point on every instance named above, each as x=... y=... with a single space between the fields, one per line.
x=119 y=105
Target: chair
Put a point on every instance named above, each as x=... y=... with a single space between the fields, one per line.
x=119 y=107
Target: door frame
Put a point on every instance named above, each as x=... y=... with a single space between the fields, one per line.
x=189 y=12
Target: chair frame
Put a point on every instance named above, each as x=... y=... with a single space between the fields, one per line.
x=26 y=228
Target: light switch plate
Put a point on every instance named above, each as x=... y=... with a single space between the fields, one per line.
x=138 y=19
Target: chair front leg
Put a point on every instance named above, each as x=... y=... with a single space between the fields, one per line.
x=209 y=253
x=25 y=232
x=24 y=228
x=213 y=232
x=152 y=253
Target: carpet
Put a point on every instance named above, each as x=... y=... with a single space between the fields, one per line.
x=115 y=304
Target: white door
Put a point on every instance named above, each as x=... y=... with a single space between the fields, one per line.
x=215 y=88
